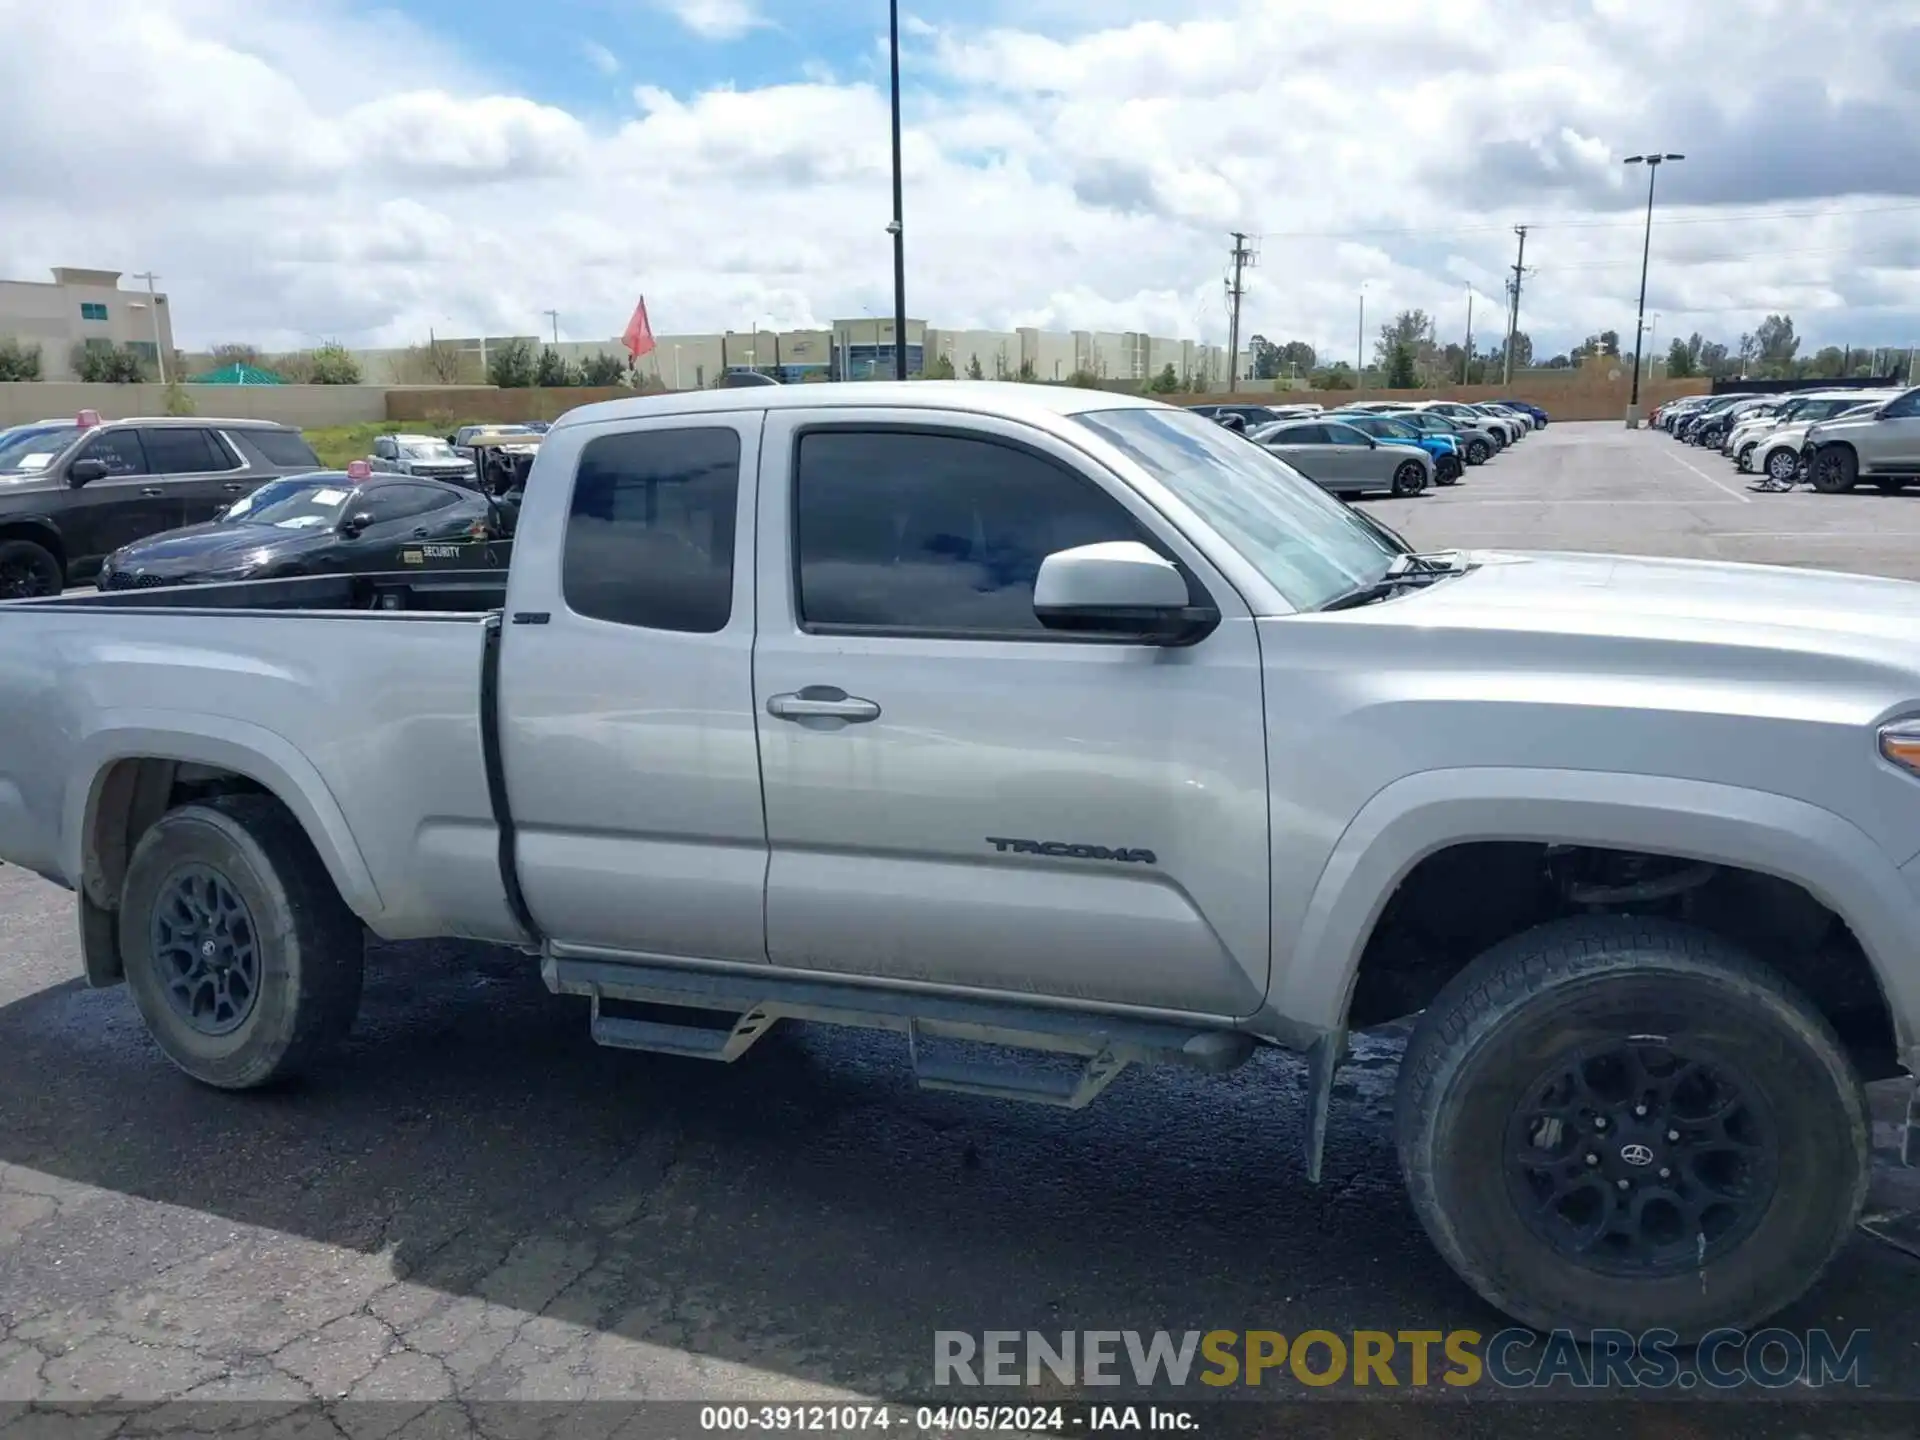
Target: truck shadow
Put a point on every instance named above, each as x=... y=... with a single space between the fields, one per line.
x=806 y=1211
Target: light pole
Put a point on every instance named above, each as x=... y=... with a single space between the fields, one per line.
x=554 y=316
x=1653 y=163
x=1360 y=343
x=1466 y=365
x=897 y=226
x=153 y=304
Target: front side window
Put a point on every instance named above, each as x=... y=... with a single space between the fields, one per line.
x=937 y=534
x=650 y=534
x=403 y=502
x=118 y=450
x=1345 y=435
x=1904 y=408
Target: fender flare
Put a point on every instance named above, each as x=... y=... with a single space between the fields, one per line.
x=1829 y=857
x=229 y=744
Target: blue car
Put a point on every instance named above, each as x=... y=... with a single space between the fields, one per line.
x=1448 y=464
x=1539 y=415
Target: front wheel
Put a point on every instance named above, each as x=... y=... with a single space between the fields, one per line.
x=1835 y=469
x=243 y=960
x=1783 y=467
x=29 y=571
x=1409 y=478
x=1620 y=1122
x=1478 y=452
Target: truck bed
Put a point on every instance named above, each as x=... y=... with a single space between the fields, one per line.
x=361 y=700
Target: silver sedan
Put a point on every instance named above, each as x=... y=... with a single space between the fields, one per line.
x=1346 y=461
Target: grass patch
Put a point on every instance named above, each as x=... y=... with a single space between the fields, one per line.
x=338 y=445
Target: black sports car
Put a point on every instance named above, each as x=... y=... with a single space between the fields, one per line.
x=324 y=523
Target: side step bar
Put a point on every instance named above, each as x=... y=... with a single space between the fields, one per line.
x=1105 y=1044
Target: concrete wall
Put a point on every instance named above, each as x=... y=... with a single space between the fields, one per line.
x=499 y=407
x=307 y=406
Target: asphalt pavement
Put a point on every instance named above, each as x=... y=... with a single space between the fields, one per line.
x=476 y=1203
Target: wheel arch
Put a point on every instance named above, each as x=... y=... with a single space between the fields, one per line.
x=40 y=530
x=1418 y=817
x=131 y=771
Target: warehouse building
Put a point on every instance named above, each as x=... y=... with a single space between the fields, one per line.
x=83 y=309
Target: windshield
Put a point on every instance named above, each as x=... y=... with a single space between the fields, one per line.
x=291 y=505
x=34 y=447
x=1308 y=545
x=428 y=450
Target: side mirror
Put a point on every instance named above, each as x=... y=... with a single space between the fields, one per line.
x=356 y=522
x=221 y=513
x=1119 y=588
x=82 y=472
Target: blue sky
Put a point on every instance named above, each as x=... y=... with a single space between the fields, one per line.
x=369 y=171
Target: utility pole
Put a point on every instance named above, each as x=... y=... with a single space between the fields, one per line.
x=153 y=308
x=1466 y=365
x=1513 y=304
x=1243 y=258
x=554 y=316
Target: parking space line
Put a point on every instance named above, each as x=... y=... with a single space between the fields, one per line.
x=1718 y=485
x=1473 y=502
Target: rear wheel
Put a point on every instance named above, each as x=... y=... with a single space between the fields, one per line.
x=1478 y=452
x=1409 y=478
x=28 y=571
x=1614 y=1121
x=1835 y=469
x=242 y=958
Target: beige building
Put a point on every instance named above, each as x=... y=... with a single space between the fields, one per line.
x=83 y=308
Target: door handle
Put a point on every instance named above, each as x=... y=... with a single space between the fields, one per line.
x=151 y=490
x=234 y=487
x=822 y=702
x=422 y=533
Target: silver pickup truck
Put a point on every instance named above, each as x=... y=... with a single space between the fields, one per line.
x=1056 y=731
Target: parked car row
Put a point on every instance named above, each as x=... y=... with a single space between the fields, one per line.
x=74 y=491
x=1397 y=446
x=1830 y=439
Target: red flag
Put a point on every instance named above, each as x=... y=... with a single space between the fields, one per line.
x=639 y=336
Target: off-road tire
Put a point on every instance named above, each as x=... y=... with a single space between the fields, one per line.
x=1547 y=994
x=310 y=945
x=29 y=571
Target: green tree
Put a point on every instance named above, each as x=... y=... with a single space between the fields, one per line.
x=1775 y=345
x=512 y=365
x=1827 y=362
x=1410 y=328
x=1679 y=360
x=941 y=368
x=1167 y=382
x=234 y=352
x=18 y=361
x=974 y=372
x=1297 y=357
x=333 y=364
x=1026 y=374
x=603 y=369
x=1084 y=379
x=107 y=365
x=1400 y=372
x=178 y=401
x=1266 y=358
x=1609 y=342
x=552 y=372
x=1338 y=376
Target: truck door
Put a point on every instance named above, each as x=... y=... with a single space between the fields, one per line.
x=626 y=691
x=957 y=796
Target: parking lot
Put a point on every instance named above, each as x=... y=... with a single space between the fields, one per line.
x=478 y=1203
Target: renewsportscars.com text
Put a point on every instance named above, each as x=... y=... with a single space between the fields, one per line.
x=1515 y=1358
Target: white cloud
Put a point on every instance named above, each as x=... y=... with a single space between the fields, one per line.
x=600 y=57
x=715 y=19
x=1076 y=165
